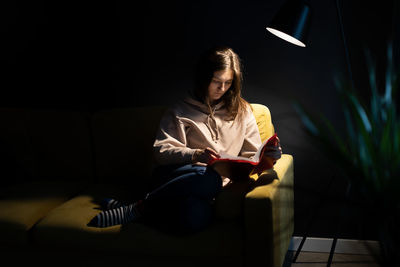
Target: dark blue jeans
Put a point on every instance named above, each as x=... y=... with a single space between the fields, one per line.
x=184 y=202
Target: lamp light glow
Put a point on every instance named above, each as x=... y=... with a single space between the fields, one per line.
x=286 y=37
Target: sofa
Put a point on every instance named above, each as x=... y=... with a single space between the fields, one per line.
x=56 y=165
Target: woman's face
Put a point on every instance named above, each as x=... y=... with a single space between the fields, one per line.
x=220 y=83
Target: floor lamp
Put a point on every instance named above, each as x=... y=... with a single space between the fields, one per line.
x=292 y=23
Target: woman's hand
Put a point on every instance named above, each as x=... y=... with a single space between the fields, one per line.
x=274 y=152
x=205 y=155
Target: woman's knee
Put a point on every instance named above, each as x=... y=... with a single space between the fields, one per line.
x=207 y=178
x=195 y=214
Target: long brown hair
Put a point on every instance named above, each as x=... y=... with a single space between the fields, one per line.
x=217 y=59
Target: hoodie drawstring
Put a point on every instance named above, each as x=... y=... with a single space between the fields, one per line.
x=210 y=119
x=210 y=122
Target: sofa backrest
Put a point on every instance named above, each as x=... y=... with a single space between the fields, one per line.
x=123 y=141
x=45 y=145
x=264 y=121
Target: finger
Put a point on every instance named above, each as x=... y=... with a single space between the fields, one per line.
x=213 y=157
x=276 y=141
x=210 y=158
x=212 y=152
x=273 y=148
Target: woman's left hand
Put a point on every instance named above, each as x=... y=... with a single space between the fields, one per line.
x=274 y=151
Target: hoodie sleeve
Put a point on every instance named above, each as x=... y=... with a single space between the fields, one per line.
x=252 y=139
x=170 y=144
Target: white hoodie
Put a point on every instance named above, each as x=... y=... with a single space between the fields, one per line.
x=189 y=126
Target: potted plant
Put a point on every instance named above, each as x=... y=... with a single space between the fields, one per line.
x=367 y=151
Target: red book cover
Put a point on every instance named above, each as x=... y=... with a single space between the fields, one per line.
x=239 y=168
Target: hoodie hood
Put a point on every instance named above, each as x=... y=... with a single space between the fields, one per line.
x=202 y=106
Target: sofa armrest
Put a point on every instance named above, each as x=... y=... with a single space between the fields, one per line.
x=269 y=214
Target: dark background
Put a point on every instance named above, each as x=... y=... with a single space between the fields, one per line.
x=91 y=56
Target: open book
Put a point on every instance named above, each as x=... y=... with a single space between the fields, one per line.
x=239 y=168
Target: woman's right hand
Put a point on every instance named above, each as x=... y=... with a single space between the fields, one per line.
x=205 y=155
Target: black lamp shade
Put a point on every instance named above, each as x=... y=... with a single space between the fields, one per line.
x=292 y=21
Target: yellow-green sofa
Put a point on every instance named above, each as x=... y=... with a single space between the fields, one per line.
x=57 y=164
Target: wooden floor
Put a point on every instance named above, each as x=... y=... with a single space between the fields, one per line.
x=314 y=259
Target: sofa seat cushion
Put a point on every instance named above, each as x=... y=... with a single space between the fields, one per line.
x=66 y=226
x=23 y=205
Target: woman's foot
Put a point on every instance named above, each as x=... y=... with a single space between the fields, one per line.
x=110 y=203
x=121 y=215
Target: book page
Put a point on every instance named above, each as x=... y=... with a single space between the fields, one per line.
x=256 y=157
x=226 y=156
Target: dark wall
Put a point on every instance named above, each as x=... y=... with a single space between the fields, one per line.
x=102 y=55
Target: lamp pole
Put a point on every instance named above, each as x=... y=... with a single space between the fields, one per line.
x=291 y=24
x=346 y=50
x=349 y=69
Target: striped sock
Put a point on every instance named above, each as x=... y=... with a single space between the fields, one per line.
x=110 y=203
x=121 y=215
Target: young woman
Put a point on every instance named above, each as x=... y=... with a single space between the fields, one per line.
x=213 y=119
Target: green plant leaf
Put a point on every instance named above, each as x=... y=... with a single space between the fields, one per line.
x=375 y=100
x=367 y=150
x=365 y=122
x=389 y=75
x=325 y=138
